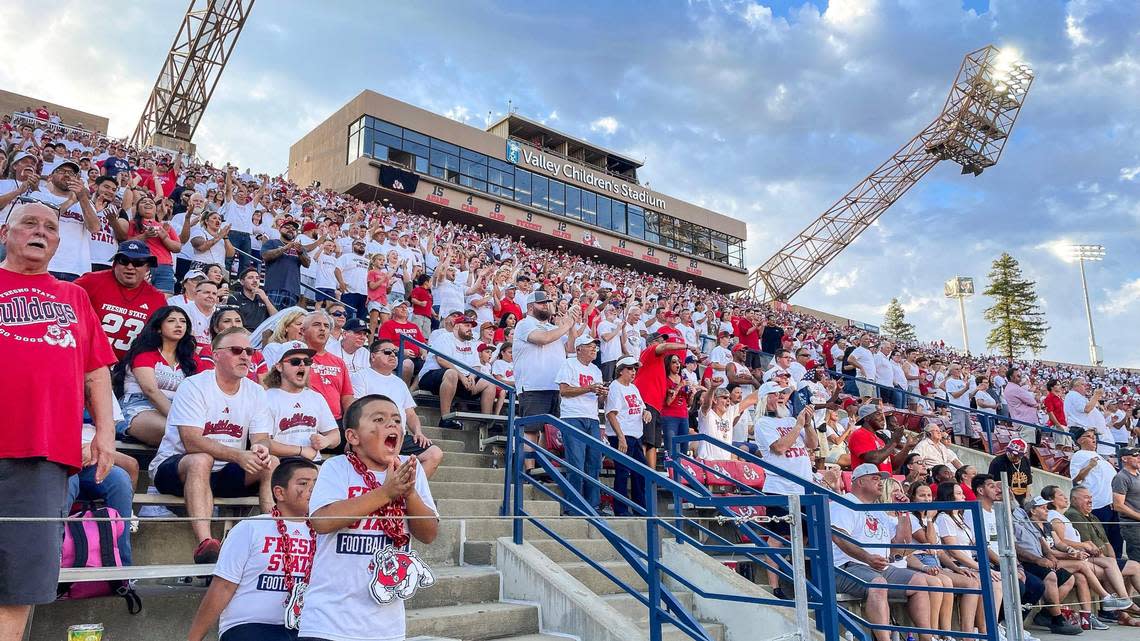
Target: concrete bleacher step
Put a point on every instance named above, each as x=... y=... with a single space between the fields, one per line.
x=474 y=622
x=490 y=507
x=489 y=491
x=596 y=549
x=599 y=583
x=452 y=472
x=630 y=607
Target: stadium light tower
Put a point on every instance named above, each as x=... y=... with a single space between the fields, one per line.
x=971 y=131
x=201 y=48
x=1093 y=253
x=961 y=287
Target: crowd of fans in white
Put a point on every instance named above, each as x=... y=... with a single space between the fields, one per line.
x=250 y=313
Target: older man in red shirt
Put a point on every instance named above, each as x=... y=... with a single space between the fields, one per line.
x=49 y=323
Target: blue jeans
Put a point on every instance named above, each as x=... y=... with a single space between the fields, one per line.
x=622 y=474
x=282 y=298
x=115 y=490
x=672 y=426
x=357 y=304
x=162 y=277
x=581 y=456
x=241 y=242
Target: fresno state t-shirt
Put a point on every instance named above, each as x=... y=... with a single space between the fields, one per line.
x=392 y=330
x=49 y=338
x=795 y=460
x=329 y=377
x=253 y=557
x=869 y=528
x=222 y=418
x=122 y=312
x=295 y=418
x=338 y=604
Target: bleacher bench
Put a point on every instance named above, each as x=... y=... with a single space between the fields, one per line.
x=496 y=441
x=135 y=572
x=170 y=499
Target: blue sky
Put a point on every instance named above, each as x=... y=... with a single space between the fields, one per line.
x=765 y=112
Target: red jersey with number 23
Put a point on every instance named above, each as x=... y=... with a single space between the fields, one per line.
x=122 y=312
x=49 y=338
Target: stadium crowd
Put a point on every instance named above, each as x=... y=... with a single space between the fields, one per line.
x=254 y=330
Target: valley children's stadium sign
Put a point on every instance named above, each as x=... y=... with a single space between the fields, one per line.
x=518 y=153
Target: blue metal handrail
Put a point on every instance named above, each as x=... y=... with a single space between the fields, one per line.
x=821 y=533
x=505 y=508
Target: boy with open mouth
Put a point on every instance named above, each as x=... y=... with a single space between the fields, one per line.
x=364 y=568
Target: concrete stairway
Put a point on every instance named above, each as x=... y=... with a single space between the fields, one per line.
x=464 y=603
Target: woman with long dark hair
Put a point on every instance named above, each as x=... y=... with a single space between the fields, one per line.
x=147 y=226
x=223 y=318
x=953 y=530
x=159 y=359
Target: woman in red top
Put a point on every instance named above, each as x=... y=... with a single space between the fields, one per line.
x=1055 y=407
x=159 y=236
x=678 y=394
x=146 y=378
x=507 y=320
x=422 y=312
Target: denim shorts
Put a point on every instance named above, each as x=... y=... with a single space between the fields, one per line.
x=135 y=404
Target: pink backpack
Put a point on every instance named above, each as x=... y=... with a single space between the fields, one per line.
x=90 y=543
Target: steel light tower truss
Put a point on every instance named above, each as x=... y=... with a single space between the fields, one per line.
x=971 y=130
x=190 y=73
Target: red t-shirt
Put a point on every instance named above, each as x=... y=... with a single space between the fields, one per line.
x=420 y=293
x=392 y=331
x=680 y=406
x=257 y=365
x=862 y=441
x=751 y=340
x=1056 y=405
x=508 y=306
x=50 y=339
x=122 y=312
x=650 y=379
x=156 y=247
x=329 y=378
x=167 y=182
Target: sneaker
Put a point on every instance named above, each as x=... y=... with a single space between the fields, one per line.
x=1096 y=624
x=134 y=523
x=1113 y=602
x=605 y=510
x=1001 y=632
x=451 y=424
x=1042 y=619
x=1029 y=637
x=207 y=551
x=155 y=512
x=1065 y=628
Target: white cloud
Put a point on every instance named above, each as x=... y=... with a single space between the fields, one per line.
x=458 y=112
x=1129 y=173
x=834 y=281
x=849 y=14
x=607 y=125
x=553 y=116
x=1075 y=31
x=758 y=16
x=1121 y=300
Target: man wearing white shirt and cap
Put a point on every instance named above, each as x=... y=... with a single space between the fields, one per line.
x=580 y=384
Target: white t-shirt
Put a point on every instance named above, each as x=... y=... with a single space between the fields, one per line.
x=448 y=294
x=795 y=460
x=239 y=217
x=295 y=418
x=953 y=386
x=868 y=528
x=722 y=356
x=324 y=271
x=1075 y=403
x=199 y=321
x=947 y=526
x=866 y=361
x=338 y=605
x=103 y=245
x=453 y=349
x=166 y=378
x=215 y=254
x=503 y=370
x=1099 y=480
x=536 y=365
x=369 y=381
x=252 y=557
x=73 y=256
x=884 y=373
x=625 y=401
x=1070 y=532
x=222 y=418
x=718 y=427
x=354 y=271
x=357 y=361
x=611 y=349
x=575 y=374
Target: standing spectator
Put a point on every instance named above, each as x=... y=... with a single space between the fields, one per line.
x=252 y=303
x=146 y=225
x=1012 y=466
x=284 y=259
x=329 y=376
x=609 y=332
x=679 y=394
x=1092 y=469
x=43 y=420
x=626 y=417
x=539 y=353
x=580 y=385
x=421 y=299
x=1126 y=501
x=238 y=211
x=1023 y=404
x=650 y=380
x=862 y=363
x=371 y=479
x=204 y=451
x=884 y=373
x=64 y=190
x=957 y=392
x=718 y=415
x=104 y=242
x=352 y=279
x=1080 y=403
x=209 y=242
x=1054 y=404
x=379 y=379
x=771 y=339
x=121 y=297
x=399 y=325
x=257 y=554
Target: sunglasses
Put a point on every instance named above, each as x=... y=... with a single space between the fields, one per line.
x=238 y=351
x=337 y=314
x=137 y=262
x=386 y=352
x=297 y=362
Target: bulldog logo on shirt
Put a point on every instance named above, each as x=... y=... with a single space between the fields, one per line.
x=59 y=337
x=397 y=574
x=872 y=524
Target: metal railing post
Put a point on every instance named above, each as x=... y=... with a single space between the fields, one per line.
x=984 y=580
x=517 y=470
x=799 y=578
x=825 y=568
x=1011 y=594
x=509 y=473
x=652 y=556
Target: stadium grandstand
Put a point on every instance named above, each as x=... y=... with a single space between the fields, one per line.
x=583 y=423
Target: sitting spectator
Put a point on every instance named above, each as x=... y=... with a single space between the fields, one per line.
x=329 y=376
x=201 y=309
x=400 y=325
x=189 y=286
x=149 y=374
x=954 y=529
x=288 y=328
x=924 y=529
x=580 y=385
x=380 y=379
x=1012 y=466
x=1126 y=501
x=932 y=448
x=300 y=423
x=914 y=471
x=275 y=550
x=204 y=451
x=865 y=560
x=626 y=417
x=122 y=298
x=372 y=477
x=1090 y=468
x=1092 y=536
x=440 y=374
x=251 y=300
x=351 y=348
x=867 y=446
x=223 y=319
x=964 y=477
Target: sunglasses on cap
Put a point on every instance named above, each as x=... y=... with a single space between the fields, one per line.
x=238 y=351
x=299 y=361
x=133 y=262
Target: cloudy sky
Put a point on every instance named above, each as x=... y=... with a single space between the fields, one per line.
x=766 y=112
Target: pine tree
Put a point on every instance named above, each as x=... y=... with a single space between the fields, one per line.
x=1018 y=322
x=895 y=325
